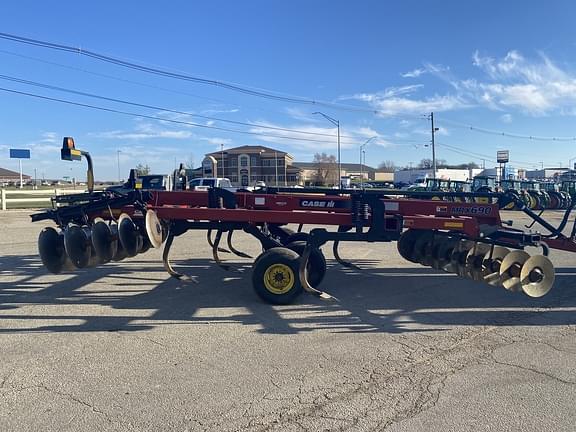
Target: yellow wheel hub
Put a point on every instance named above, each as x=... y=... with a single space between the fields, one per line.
x=279 y=278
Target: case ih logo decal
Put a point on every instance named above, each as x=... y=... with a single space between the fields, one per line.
x=317 y=204
x=476 y=210
x=325 y=204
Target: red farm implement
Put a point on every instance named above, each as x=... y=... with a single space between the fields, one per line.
x=465 y=238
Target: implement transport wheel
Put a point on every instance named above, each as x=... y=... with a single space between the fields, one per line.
x=275 y=276
x=316 y=264
x=406 y=243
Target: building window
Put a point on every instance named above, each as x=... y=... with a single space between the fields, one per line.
x=244 y=180
x=244 y=161
x=281 y=178
x=233 y=162
x=266 y=162
x=234 y=178
x=253 y=161
x=281 y=162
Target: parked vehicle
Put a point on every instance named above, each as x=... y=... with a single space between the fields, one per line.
x=206 y=183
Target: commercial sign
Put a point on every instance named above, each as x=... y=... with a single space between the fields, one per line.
x=502 y=156
x=19 y=154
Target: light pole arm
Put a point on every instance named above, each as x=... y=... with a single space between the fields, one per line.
x=327 y=117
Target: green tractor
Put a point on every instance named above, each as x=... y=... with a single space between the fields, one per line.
x=483 y=184
x=513 y=186
x=568 y=187
x=459 y=186
x=536 y=199
x=558 y=199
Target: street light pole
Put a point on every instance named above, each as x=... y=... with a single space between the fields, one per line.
x=276 y=164
x=361 y=166
x=221 y=159
x=118 y=156
x=337 y=124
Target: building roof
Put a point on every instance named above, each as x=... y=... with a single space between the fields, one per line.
x=249 y=149
x=9 y=173
x=345 y=166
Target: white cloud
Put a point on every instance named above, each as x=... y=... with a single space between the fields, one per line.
x=387 y=103
x=49 y=137
x=118 y=134
x=349 y=137
x=413 y=73
x=216 y=140
x=536 y=87
x=143 y=131
x=220 y=111
x=428 y=68
x=506 y=118
x=532 y=86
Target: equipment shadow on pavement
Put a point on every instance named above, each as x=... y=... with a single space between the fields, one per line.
x=136 y=295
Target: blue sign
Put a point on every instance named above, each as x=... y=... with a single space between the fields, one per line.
x=19 y=154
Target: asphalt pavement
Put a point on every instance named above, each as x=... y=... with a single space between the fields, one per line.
x=123 y=347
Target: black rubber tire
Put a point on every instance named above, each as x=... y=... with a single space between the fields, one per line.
x=290 y=260
x=405 y=244
x=421 y=253
x=316 y=263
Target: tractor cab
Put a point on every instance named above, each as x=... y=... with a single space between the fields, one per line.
x=530 y=185
x=483 y=183
x=433 y=185
x=459 y=186
x=510 y=185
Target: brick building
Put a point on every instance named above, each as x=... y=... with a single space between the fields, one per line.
x=246 y=165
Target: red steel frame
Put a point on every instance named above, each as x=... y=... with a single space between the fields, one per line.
x=308 y=209
x=335 y=210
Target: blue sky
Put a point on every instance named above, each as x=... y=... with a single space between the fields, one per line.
x=381 y=67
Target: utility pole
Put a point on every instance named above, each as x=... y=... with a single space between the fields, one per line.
x=434 y=130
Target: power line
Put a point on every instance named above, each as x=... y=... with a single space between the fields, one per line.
x=479 y=156
x=121 y=101
x=81 y=93
x=506 y=134
x=161 y=119
x=185 y=77
x=125 y=80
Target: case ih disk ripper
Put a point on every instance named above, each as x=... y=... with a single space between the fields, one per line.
x=468 y=239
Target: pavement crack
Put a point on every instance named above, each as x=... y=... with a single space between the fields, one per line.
x=536 y=371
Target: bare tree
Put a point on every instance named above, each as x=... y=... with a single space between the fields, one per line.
x=425 y=163
x=190 y=163
x=326 y=169
x=387 y=165
x=142 y=169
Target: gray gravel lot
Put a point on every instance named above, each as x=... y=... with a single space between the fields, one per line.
x=124 y=347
